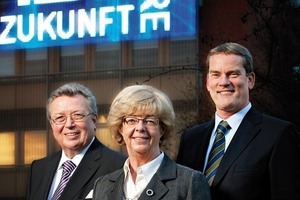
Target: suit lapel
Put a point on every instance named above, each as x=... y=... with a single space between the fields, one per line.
x=247 y=130
x=204 y=146
x=156 y=188
x=117 y=189
x=49 y=175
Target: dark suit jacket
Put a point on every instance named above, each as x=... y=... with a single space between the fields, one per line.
x=261 y=162
x=98 y=161
x=170 y=182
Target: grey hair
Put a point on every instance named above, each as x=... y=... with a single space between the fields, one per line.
x=71 y=89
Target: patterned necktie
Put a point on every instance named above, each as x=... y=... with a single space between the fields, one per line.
x=68 y=167
x=216 y=152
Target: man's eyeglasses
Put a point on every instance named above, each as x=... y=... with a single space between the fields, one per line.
x=148 y=122
x=62 y=119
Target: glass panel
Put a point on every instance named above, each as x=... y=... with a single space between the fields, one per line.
x=72 y=58
x=36 y=61
x=7 y=63
x=183 y=51
x=7 y=148
x=145 y=53
x=108 y=56
x=104 y=135
x=34 y=146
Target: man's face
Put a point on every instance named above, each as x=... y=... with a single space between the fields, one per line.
x=73 y=135
x=228 y=83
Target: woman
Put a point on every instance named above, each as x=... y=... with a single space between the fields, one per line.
x=141 y=117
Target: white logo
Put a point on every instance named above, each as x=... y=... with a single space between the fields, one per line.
x=99 y=21
x=27 y=2
x=148 y=3
x=155 y=16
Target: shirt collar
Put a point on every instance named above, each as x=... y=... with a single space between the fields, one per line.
x=77 y=158
x=235 y=120
x=149 y=169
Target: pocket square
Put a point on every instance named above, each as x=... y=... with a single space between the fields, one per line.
x=90 y=195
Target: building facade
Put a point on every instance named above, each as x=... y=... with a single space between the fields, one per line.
x=169 y=61
x=30 y=70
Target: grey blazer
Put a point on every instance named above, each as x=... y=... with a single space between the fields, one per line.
x=171 y=181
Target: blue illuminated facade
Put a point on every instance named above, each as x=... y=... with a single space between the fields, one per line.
x=46 y=23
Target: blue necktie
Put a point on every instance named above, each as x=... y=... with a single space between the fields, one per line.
x=217 y=152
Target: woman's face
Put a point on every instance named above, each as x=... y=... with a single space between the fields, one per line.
x=142 y=134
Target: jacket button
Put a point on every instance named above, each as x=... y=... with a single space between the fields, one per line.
x=149 y=192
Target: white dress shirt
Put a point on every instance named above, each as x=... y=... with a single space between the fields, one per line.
x=76 y=160
x=145 y=173
x=234 y=122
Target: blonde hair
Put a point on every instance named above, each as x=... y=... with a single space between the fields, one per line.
x=137 y=99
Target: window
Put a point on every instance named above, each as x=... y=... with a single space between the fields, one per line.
x=72 y=58
x=7 y=148
x=35 y=146
x=183 y=51
x=104 y=135
x=36 y=61
x=7 y=63
x=145 y=53
x=108 y=56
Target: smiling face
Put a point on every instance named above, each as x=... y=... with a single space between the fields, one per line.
x=228 y=83
x=141 y=140
x=72 y=136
